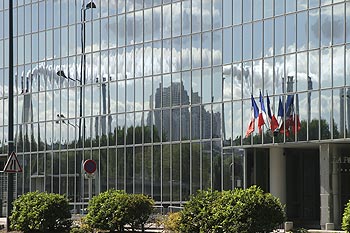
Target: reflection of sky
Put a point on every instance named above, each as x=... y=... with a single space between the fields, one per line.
x=246 y=79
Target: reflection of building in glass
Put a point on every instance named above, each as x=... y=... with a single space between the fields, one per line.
x=172 y=118
x=104 y=122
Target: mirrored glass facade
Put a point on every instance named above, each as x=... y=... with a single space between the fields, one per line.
x=158 y=92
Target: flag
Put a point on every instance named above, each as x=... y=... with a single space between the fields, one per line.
x=296 y=120
x=289 y=122
x=271 y=117
x=254 y=115
x=280 y=114
x=262 y=115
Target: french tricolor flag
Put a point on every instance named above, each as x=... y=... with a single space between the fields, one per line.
x=272 y=118
x=263 y=118
x=254 y=115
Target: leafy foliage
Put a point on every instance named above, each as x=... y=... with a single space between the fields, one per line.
x=346 y=218
x=172 y=221
x=113 y=209
x=41 y=212
x=242 y=211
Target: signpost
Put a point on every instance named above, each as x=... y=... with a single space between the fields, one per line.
x=90 y=167
x=12 y=165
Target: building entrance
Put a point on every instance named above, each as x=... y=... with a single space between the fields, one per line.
x=303 y=187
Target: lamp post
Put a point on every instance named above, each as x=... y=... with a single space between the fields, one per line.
x=10 y=116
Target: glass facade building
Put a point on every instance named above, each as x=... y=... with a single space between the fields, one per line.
x=158 y=93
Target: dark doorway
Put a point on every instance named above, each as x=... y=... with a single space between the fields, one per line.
x=303 y=187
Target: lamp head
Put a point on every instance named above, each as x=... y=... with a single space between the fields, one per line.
x=91 y=4
x=61 y=73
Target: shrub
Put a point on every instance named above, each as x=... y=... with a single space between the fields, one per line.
x=240 y=211
x=113 y=209
x=139 y=208
x=172 y=222
x=346 y=218
x=107 y=211
x=41 y=212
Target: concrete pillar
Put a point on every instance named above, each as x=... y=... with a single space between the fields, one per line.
x=278 y=174
x=325 y=186
x=335 y=187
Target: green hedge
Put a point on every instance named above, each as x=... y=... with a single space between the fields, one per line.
x=113 y=209
x=346 y=218
x=238 y=211
x=41 y=212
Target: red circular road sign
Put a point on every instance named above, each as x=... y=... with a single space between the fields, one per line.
x=90 y=166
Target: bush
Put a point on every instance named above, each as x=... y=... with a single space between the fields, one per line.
x=113 y=209
x=346 y=218
x=240 y=211
x=41 y=212
x=172 y=222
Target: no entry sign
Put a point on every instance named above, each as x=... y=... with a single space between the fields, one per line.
x=90 y=166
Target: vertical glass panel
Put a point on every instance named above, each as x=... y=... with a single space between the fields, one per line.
x=257 y=9
x=176 y=19
x=247 y=79
x=196 y=16
x=290 y=33
x=338 y=113
x=185 y=123
x=175 y=124
x=227 y=44
x=314 y=28
x=247 y=41
x=302 y=80
x=196 y=51
x=326 y=63
x=302 y=110
x=157 y=26
x=268 y=8
x=347 y=22
x=326 y=26
x=301 y=5
x=157 y=53
x=147 y=175
x=157 y=173
x=326 y=111
x=206 y=15
x=186 y=52
x=138 y=95
x=185 y=171
x=227 y=82
x=237 y=11
x=186 y=17
x=302 y=31
x=195 y=122
x=227 y=169
x=227 y=123
x=247 y=10
x=196 y=167
x=279 y=35
x=216 y=172
x=166 y=21
x=175 y=173
x=129 y=169
x=314 y=72
x=217 y=47
x=338 y=24
x=290 y=73
x=216 y=121
x=257 y=39
x=112 y=171
x=237 y=43
x=290 y=6
x=279 y=7
x=206 y=120
x=227 y=12
x=120 y=169
x=138 y=170
x=314 y=116
x=166 y=131
x=338 y=66
x=347 y=63
x=217 y=13
x=325 y=2
x=268 y=37
x=166 y=176
x=279 y=75
x=217 y=84
x=268 y=76
x=196 y=87
x=257 y=77
x=206 y=49
x=314 y=3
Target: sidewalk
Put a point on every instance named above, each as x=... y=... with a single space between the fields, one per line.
x=2 y=223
